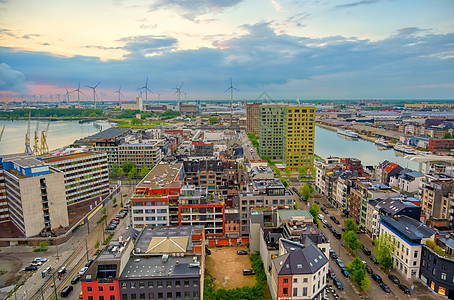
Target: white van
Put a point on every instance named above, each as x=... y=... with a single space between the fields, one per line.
x=320 y=217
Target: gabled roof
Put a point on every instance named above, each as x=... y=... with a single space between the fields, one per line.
x=391 y=167
x=301 y=261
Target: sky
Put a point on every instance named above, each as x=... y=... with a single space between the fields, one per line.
x=292 y=49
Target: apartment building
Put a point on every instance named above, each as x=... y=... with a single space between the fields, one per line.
x=436 y=202
x=407 y=181
x=35 y=194
x=253 y=117
x=273 y=131
x=408 y=236
x=86 y=172
x=299 y=271
x=155 y=199
x=4 y=213
x=197 y=208
x=141 y=154
x=262 y=193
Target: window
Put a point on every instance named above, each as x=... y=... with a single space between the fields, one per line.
x=91 y=297
x=444 y=267
x=304 y=291
x=433 y=271
x=416 y=254
x=169 y=295
x=150 y=284
x=123 y=297
x=111 y=288
x=133 y=296
x=151 y=296
x=295 y=280
x=159 y=283
x=285 y=291
x=89 y=289
x=142 y=296
x=195 y=283
x=295 y=292
x=178 y=295
x=313 y=288
x=195 y=294
x=160 y=296
x=101 y=297
x=304 y=279
x=133 y=285
x=285 y=280
x=186 y=283
x=187 y=295
x=169 y=283
x=443 y=276
x=177 y=283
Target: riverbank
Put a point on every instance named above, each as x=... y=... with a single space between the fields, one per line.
x=56 y=119
x=333 y=128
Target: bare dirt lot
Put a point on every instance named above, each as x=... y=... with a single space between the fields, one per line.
x=227 y=268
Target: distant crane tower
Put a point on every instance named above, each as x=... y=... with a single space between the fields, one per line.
x=36 y=150
x=1 y=134
x=28 y=150
x=44 y=147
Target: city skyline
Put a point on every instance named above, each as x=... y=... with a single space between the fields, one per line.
x=292 y=50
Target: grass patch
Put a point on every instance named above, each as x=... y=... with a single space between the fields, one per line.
x=108 y=239
x=102 y=219
x=40 y=250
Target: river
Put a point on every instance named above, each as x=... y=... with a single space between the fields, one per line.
x=61 y=133
x=329 y=143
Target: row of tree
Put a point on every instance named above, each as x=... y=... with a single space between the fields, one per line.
x=129 y=168
x=52 y=112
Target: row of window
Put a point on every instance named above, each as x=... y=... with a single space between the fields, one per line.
x=159 y=284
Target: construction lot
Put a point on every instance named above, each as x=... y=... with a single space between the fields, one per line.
x=226 y=267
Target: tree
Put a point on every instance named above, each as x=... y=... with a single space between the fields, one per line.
x=306 y=191
x=115 y=167
x=144 y=171
x=132 y=173
x=358 y=271
x=350 y=225
x=448 y=135
x=43 y=245
x=288 y=171
x=127 y=166
x=284 y=182
x=120 y=172
x=314 y=210
x=302 y=171
x=384 y=249
x=277 y=171
x=136 y=121
x=213 y=120
x=351 y=240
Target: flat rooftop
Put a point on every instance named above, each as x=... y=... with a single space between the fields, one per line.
x=155 y=266
x=57 y=157
x=163 y=175
x=23 y=160
x=409 y=227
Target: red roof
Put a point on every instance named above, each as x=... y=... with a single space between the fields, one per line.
x=391 y=167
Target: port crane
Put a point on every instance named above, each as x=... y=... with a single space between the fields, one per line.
x=28 y=150
x=36 y=149
x=44 y=147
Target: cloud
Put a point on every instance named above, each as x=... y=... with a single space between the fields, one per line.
x=358 y=3
x=408 y=30
x=277 y=5
x=11 y=80
x=286 y=66
x=191 y=9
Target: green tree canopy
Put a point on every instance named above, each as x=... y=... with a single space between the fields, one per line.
x=136 y=121
x=448 y=135
x=350 y=225
x=120 y=172
x=132 y=173
x=127 y=166
x=213 y=120
x=277 y=171
x=314 y=210
x=358 y=271
x=144 y=171
x=306 y=191
x=384 y=249
x=302 y=171
x=115 y=167
x=351 y=240
x=288 y=171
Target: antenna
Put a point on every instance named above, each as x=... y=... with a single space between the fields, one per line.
x=78 y=93
x=119 y=94
x=231 y=88
x=145 y=87
x=94 y=92
x=178 y=91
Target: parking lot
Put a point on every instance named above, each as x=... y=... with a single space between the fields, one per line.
x=226 y=267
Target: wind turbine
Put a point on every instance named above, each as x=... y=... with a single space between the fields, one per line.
x=178 y=91
x=67 y=95
x=145 y=87
x=94 y=92
x=78 y=93
x=119 y=94
x=231 y=88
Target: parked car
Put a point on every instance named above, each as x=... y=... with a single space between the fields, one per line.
x=31 y=268
x=324 y=210
x=37 y=263
x=43 y=259
x=374 y=260
x=83 y=270
x=385 y=287
x=376 y=277
x=242 y=252
x=66 y=291
x=248 y=272
x=320 y=217
x=115 y=219
x=336 y=296
x=331 y=273
x=338 y=284
x=207 y=251
x=88 y=264
x=340 y=263
x=369 y=270
x=366 y=251
x=333 y=254
x=329 y=225
x=394 y=278
x=336 y=221
x=317 y=202
x=404 y=288
x=76 y=279
x=345 y=272
x=337 y=235
x=332 y=218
